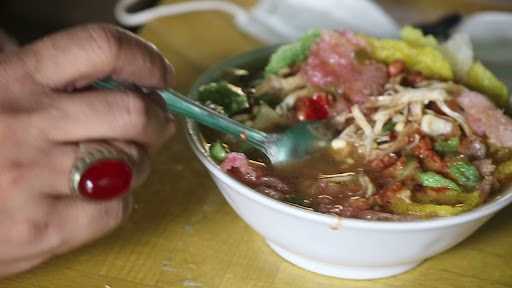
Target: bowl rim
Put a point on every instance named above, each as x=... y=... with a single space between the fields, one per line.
x=197 y=142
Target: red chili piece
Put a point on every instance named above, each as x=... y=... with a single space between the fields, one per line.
x=396 y=67
x=106 y=179
x=429 y=157
x=313 y=108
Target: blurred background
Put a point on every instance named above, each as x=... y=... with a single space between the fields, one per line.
x=27 y=20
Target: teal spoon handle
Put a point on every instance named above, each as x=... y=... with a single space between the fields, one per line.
x=186 y=107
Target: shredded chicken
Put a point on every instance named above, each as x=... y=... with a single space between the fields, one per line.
x=459 y=118
x=382 y=116
x=409 y=95
x=406 y=107
x=360 y=120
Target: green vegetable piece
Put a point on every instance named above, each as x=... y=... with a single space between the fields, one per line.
x=244 y=147
x=478 y=77
x=504 y=171
x=464 y=173
x=404 y=207
x=414 y=36
x=388 y=127
x=409 y=170
x=447 y=146
x=427 y=60
x=291 y=54
x=231 y=98
x=434 y=180
x=266 y=117
x=445 y=197
x=483 y=80
x=299 y=200
x=218 y=152
x=419 y=52
x=499 y=153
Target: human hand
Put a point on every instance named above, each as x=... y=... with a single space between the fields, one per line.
x=45 y=113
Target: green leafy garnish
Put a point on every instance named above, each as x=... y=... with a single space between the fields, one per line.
x=231 y=98
x=291 y=54
x=464 y=173
x=446 y=146
x=434 y=180
x=388 y=127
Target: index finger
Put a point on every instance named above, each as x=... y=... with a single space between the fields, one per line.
x=79 y=56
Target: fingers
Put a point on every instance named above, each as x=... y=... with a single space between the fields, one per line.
x=54 y=171
x=13 y=267
x=79 y=56
x=109 y=115
x=79 y=221
x=39 y=216
x=65 y=224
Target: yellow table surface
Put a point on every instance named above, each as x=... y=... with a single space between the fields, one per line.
x=183 y=234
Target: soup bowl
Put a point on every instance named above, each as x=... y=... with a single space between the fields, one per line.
x=326 y=244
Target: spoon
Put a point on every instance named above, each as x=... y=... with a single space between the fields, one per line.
x=293 y=144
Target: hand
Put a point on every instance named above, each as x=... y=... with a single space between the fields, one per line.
x=45 y=113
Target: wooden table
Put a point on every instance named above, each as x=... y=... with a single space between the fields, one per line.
x=183 y=234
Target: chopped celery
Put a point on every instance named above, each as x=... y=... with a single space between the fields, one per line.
x=218 y=152
x=231 y=98
x=464 y=173
x=504 y=171
x=291 y=54
x=434 y=180
x=415 y=36
x=483 y=80
x=447 y=146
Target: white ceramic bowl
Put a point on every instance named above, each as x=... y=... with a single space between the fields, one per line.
x=329 y=245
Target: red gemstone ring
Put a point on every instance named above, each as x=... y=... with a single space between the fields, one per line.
x=102 y=172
